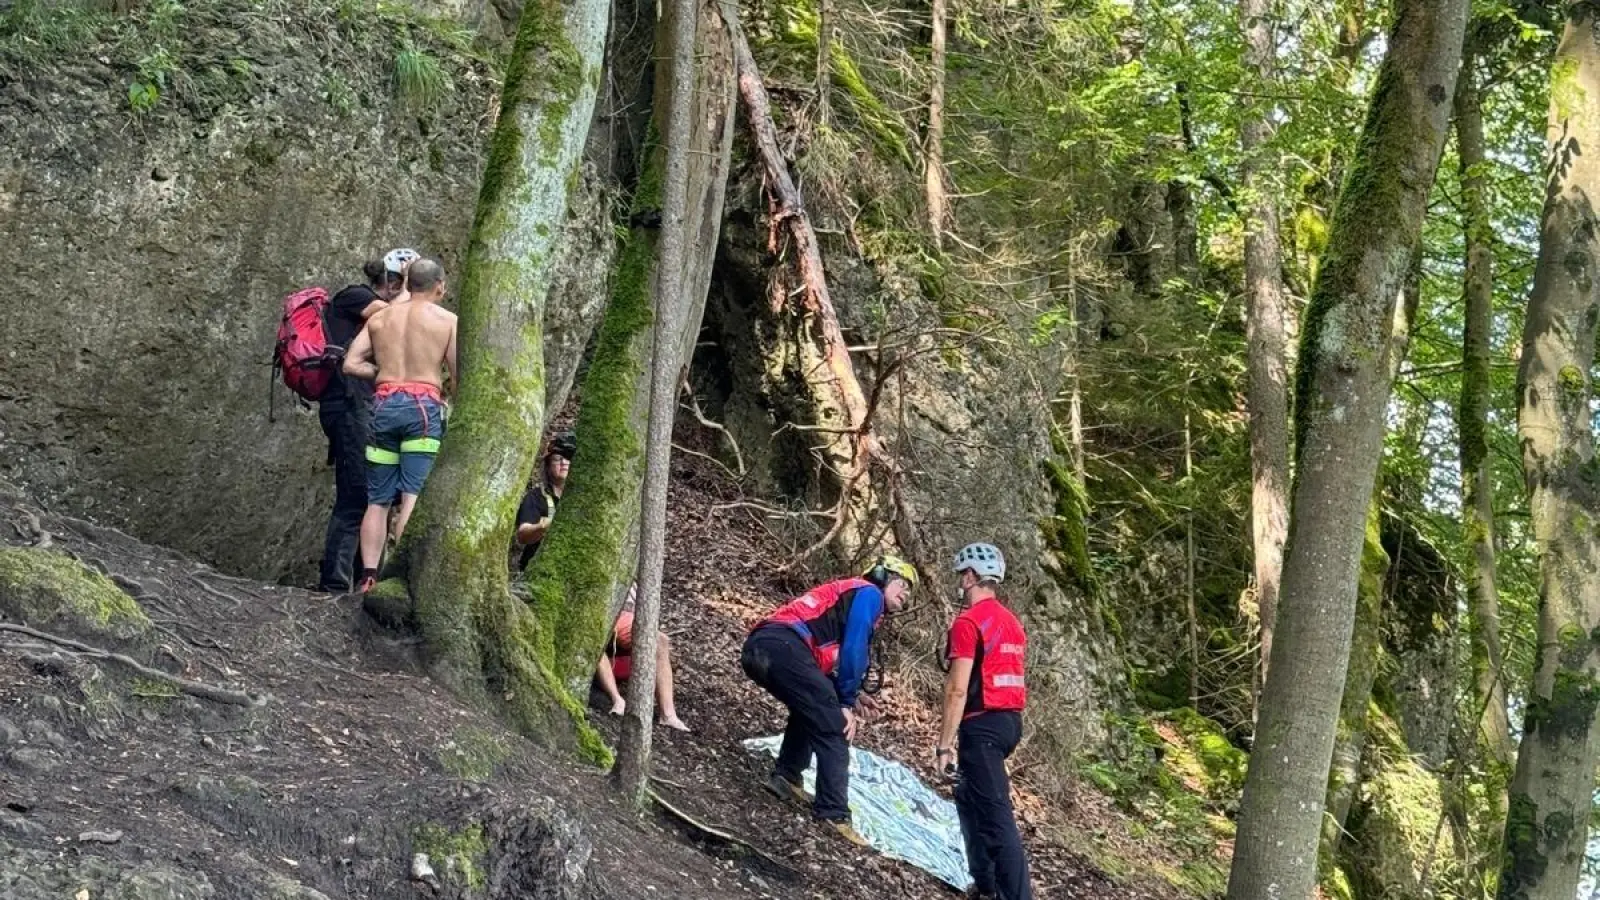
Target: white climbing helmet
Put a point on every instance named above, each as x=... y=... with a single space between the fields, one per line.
x=396 y=260
x=984 y=560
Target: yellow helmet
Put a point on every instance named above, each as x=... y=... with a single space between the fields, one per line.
x=891 y=566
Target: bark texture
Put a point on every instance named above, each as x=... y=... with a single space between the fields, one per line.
x=1550 y=802
x=480 y=643
x=1366 y=644
x=667 y=359
x=1491 y=740
x=933 y=146
x=1343 y=390
x=1265 y=334
x=586 y=562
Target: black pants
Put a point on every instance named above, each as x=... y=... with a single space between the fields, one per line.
x=346 y=424
x=777 y=659
x=983 y=803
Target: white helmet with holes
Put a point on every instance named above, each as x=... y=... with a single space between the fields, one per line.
x=396 y=260
x=984 y=560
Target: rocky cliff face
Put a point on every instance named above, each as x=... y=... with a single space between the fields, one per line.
x=147 y=253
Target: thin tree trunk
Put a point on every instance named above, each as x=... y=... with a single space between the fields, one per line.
x=1366 y=638
x=825 y=61
x=1188 y=568
x=1344 y=389
x=633 y=751
x=1344 y=775
x=587 y=561
x=1491 y=730
x=1477 y=490
x=1551 y=793
x=453 y=559
x=1265 y=325
x=933 y=149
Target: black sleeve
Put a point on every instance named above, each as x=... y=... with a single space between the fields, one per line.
x=533 y=508
x=353 y=301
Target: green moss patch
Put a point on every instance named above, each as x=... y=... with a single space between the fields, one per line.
x=456 y=854
x=53 y=591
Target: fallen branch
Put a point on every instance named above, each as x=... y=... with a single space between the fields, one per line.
x=193 y=688
x=787 y=210
x=711 y=832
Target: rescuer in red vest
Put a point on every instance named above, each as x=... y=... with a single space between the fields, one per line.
x=812 y=655
x=984 y=693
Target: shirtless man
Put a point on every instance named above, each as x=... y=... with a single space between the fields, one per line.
x=403 y=349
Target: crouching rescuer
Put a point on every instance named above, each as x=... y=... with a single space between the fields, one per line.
x=812 y=655
x=984 y=692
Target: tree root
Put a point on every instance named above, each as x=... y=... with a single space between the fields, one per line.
x=710 y=832
x=193 y=688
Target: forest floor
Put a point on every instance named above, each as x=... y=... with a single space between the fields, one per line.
x=112 y=784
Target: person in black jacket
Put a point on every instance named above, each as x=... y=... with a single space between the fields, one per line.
x=345 y=411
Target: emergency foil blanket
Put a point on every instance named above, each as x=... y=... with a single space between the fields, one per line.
x=899 y=815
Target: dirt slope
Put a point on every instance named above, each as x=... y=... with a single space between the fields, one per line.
x=355 y=762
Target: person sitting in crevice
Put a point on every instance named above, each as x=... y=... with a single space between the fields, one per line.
x=538 y=506
x=616 y=664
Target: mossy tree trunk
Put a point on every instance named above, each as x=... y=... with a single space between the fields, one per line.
x=480 y=644
x=1366 y=645
x=1550 y=803
x=676 y=76
x=1266 y=336
x=1343 y=391
x=587 y=561
x=1491 y=740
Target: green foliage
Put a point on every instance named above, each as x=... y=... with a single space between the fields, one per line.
x=420 y=78
x=196 y=52
x=34 y=31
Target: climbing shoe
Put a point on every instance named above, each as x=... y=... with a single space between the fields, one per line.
x=849 y=833
x=369 y=580
x=786 y=790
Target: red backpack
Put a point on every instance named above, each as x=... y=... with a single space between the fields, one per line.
x=303 y=355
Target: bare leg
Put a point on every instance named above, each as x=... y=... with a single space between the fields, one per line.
x=408 y=502
x=373 y=526
x=608 y=683
x=669 y=711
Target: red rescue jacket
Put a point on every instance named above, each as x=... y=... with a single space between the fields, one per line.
x=998 y=649
x=819 y=617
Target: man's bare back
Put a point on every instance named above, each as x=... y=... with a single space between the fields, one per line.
x=411 y=341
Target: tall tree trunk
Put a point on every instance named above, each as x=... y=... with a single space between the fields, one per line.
x=453 y=559
x=1344 y=775
x=1265 y=314
x=586 y=562
x=1551 y=793
x=1492 y=730
x=1343 y=391
x=825 y=61
x=633 y=751
x=1366 y=637
x=933 y=148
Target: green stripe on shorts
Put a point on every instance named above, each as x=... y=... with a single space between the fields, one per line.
x=420 y=445
x=381 y=457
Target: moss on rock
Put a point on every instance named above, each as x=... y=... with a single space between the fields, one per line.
x=50 y=590
x=456 y=854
